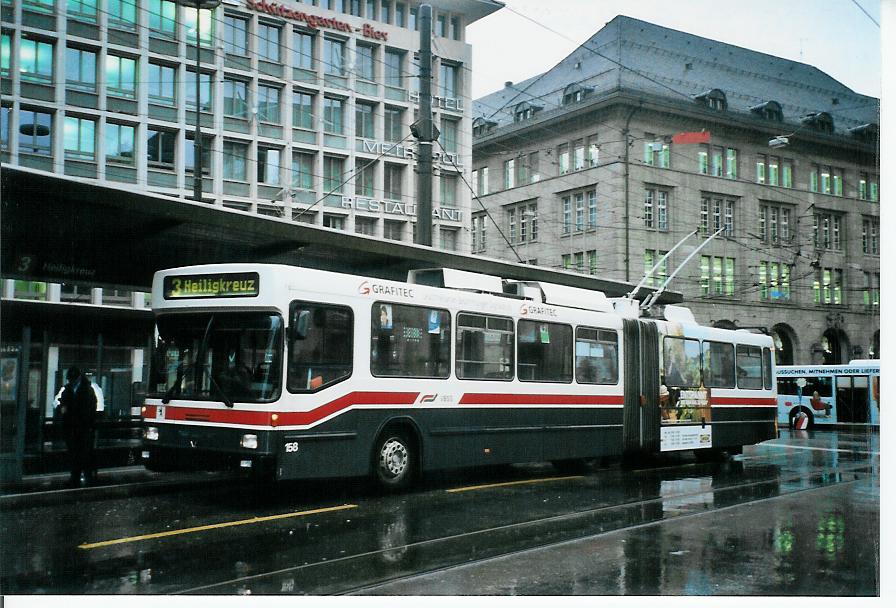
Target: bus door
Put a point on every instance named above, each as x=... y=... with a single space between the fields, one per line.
x=852 y=399
x=641 y=410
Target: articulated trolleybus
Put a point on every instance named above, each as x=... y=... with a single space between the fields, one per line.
x=300 y=373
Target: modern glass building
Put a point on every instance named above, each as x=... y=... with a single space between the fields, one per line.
x=304 y=111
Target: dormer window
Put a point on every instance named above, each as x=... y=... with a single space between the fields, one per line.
x=524 y=111
x=714 y=99
x=819 y=121
x=575 y=93
x=869 y=133
x=770 y=110
x=482 y=126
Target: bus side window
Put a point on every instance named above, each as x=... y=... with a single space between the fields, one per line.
x=544 y=352
x=749 y=366
x=597 y=356
x=320 y=346
x=484 y=347
x=768 y=373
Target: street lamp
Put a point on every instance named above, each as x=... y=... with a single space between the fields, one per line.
x=197 y=141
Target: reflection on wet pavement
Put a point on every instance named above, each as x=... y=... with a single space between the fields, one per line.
x=795 y=516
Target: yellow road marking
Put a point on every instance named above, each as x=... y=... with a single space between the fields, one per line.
x=513 y=483
x=226 y=524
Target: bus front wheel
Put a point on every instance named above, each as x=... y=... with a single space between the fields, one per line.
x=394 y=460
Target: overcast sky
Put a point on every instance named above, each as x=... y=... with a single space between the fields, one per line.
x=528 y=37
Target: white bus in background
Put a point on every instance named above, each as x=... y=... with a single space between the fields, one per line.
x=821 y=395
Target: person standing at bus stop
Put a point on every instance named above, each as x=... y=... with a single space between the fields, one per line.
x=78 y=408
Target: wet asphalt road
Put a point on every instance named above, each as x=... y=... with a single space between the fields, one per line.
x=796 y=516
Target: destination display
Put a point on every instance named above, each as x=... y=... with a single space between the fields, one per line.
x=225 y=285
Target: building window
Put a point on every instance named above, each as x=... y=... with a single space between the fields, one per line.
x=236 y=155
x=827 y=288
x=206 y=27
x=120 y=144
x=478 y=233
x=5 y=54
x=482 y=189
x=787 y=173
x=509 y=173
x=731 y=163
x=35 y=132
x=268 y=104
x=826 y=231
x=393 y=230
x=5 y=125
x=656 y=209
x=80 y=138
x=394 y=68
x=448 y=136
x=365 y=225
x=768 y=170
x=774 y=281
x=334 y=57
x=121 y=76
x=656 y=153
x=162 y=84
x=826 y=180
x=236 y=98
x=82 y=10
x=593 y=151
x=448 y=239
x=364 y=62
x=122 y=14
x=160 y=148
x=578 y=155
x=871 y=291
x=522 y=222
x=364 y=177
x=716 y=213
x=592 y=209
x=80 y=69
x=268 y=42
x=448 y=189
x=333 y=171
x=302 y=110
x=162 y=18
x=400 y=12
x=393 y=176
x=867 y=187
x=563 y=158
x=716 y=275
x=448 y=80
x=236 y=36
x=333 y=115
x=303 y=170
x=207 y=143
x=303 y=51
x=393 y=124
x=268 y=166
x=775 y=223
x=36 y=60
x=870 y=231
x=205 y=91
x=364 y=120
x=652 y=257
x=336 y=222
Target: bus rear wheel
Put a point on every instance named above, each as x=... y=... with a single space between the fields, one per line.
x=394 y=460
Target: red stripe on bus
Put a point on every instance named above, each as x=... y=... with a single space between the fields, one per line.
x=264 y=418
x=744 y=401
x=516 y=399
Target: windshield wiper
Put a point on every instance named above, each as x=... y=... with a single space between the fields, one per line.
x=227 y=400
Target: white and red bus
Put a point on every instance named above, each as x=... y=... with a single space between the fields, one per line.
x=301 y=373
x=827 y=395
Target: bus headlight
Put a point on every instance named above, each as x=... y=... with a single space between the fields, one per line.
x=250 y=442
x=151 y=433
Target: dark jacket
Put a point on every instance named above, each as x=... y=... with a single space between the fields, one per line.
x=78 y=406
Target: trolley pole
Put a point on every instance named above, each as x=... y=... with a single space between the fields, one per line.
x=424 y=131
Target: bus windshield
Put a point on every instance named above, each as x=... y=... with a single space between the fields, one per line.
x=222 y=356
